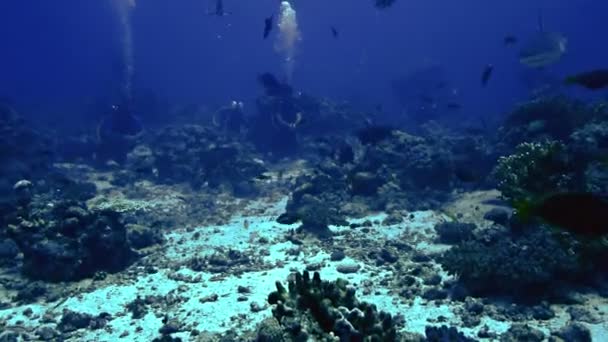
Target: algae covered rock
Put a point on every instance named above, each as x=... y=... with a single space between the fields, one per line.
x=525 y=266
x=454 y=232
x=553 y=118
x=197 y=155
x=62 y=240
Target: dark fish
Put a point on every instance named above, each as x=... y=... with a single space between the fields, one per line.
x=426 y=98
x=382 y=4
x=273 y=87
x=268 y=26
x=594 y=80
x=510 y=40
x=263 y=177
x=582 y=213
x=219 y=9
x=466 y=174
x=374 y=134
x=454 y=106
x=334 y=32
x=487 y=73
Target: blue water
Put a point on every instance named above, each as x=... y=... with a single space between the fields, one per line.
x=68 y=51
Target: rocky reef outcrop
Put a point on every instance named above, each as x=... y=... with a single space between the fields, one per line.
x=196 y=155
x=389 y=170
x=62 y=240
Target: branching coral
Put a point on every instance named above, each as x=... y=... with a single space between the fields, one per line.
x=535 y=169
x=334 y=310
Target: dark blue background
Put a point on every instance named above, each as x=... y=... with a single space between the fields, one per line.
x=62 y=53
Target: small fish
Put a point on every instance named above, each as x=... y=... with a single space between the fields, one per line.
x=510 y=40
x=374 y=134
x=594 y=80
x=486 y=74
x=268 y=26
x=454 y=105
x=427 y=99
x=581 y=213
x=219 y=9
x=334 y=32
x=382 y=4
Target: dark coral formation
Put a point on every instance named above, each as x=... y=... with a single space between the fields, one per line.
x=552 y=145
x=553 y=118
x=444 y=334
x=24 y=152
x=316 y=200
x=536 y=169
x=196 y=155
x=454 y=232
x=401 y=171
x=313 y=309
x=527 y=266
x=286 y=120
x=62 y=240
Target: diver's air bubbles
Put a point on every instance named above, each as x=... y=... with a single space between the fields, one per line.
x=123 y=9
x=288 y=36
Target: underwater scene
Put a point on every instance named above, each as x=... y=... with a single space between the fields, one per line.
x=303 y=170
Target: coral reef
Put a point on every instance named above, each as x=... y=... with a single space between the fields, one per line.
x=552 y=145
x=401 y=172
x=536 y=169
x=444 y=333
x=196 y=155
x=24 y=152
x=62 y=240
x=316 y=200
x=553 y=118
x=525 y=266
x=454 y=232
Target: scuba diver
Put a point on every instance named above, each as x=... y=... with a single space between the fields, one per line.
x=230 y=119
x=118 y=132
x=280 y=116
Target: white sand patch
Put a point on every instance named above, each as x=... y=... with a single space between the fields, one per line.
x=228 y=313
